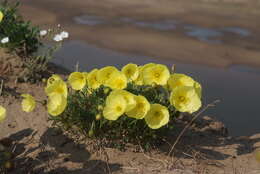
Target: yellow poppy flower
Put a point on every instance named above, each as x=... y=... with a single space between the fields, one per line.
x=156 y=74
x=177 y=80
x=28 y=103
x=104 y=74
x=129 y=98
x=56 y=104
x=53 y=78
x=1 y=16
x=139 y=80
x=131 y=71
x=185 y=99
x=115 y=107
x=117 y=80
x=77 y=80
x=92 y=79
x=2 y=113
x=157 y=116
x=57 y=86
x=141 y=108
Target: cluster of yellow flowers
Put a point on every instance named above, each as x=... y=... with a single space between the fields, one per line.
x=185 y=93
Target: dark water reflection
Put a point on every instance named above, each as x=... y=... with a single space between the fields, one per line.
x=237 y=89
x=209 y=35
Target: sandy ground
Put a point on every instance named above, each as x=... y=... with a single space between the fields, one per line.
x=149 y=42
x=38 y=148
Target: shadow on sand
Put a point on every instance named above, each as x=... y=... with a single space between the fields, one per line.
x=54 y=151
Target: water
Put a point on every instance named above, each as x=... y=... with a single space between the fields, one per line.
x=203 y=34
x=209 y=35
x=237 y=89
x=163 y=25
x=89 y=20
x=237 y=30
x=245 y=69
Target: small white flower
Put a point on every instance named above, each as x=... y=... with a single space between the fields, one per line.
x=43 y=32
x=64 y=34
x=59 y=25
x=5 y=40
x=57 y=38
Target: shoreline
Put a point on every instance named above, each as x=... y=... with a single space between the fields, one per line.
x=149 y=42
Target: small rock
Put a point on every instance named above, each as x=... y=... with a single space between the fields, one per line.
x=207 y=118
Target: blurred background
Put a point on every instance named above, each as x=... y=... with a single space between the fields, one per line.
x=217 y=42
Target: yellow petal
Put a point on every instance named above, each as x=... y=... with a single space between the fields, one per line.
x=104 y=74
x=198 y=89
x=157 y=116
x=1 y=16
x=117 y=80
x=131 y=71
x=141 y=108
x=185 y=99
x=177 y=80
x=156 y=74
x=28 y=103
x=53 y=78
x=129 y=98
x=92 y=79
x=114 y=108
x=56 y=104
x=58 y=86
x=77 y=80
x=2 y=113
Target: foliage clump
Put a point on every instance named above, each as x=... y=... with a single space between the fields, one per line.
x=23 y=37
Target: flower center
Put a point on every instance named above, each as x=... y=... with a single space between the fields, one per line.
x=119 y=109
x=157 y=114
x=59 y=90
x=157 y=75
x=140 y=105
x=108 y=75
x=181 y=98
x=120 y=83
x=128 y=71
x=51 y=80
x=81 y=77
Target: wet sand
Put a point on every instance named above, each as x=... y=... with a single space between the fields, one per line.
x=168 y=45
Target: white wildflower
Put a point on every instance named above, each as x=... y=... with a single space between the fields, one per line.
x=64 y=34
x=57 y=38
x=5 y=40
x=43 y=32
